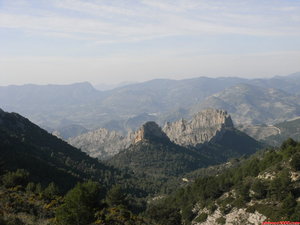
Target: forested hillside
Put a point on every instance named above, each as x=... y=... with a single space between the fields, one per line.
x=266 y=186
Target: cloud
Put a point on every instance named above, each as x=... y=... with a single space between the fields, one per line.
x=132 y=21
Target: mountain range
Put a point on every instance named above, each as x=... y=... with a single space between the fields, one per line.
x=55 y=107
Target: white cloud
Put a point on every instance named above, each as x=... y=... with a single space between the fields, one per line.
x=163 y=30
x=149 y=19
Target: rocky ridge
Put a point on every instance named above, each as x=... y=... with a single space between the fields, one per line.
x=203 y=127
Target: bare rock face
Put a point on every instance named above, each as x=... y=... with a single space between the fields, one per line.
x=203 y=127
x=236 y=216
x=101 y=143
x=150 y=131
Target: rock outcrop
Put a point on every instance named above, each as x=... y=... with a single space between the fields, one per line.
x=203 y=127
x=101 y=143
x=150 y=131
x=206 y=126
x=236 y=216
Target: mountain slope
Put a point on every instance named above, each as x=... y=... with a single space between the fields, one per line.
x=263 y=188
x=154 y=154
x=250 y=104
x=287 y=129
x=23 y=145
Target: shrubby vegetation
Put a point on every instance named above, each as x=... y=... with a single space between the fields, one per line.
x=274 y=197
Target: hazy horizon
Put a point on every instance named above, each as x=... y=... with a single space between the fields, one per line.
x=110 y=86
x=70 y=41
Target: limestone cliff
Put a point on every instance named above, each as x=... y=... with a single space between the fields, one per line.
x=101 y=143
x=203 y=127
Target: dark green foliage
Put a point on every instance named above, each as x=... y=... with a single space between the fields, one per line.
x=115 y=196
x=158 y=159
x=19 y=177
x=259 y=189
x=80 y=204
x=187 y=213
x=23 y=145
x=233 y=143
x=276 y=196
x=164 y=214
x=295 y=162
x=51 y=191
x=289 y=143
x=296 y=216
x=30 y=187
x=280 y=186
x=288 y=205
x=38 y=188
x=14 y=221
x=201 y=218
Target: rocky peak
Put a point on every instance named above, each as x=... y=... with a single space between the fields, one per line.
x=203 y=127
x=150 y=131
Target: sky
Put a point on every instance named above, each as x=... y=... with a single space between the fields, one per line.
x=115 y=41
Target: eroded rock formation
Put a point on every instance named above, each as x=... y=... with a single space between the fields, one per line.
x=203 y=127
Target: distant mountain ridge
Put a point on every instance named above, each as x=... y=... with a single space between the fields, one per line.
x=130 y=106
x=249 y=104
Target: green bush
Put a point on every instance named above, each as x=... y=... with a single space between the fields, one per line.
x=80 y=204
x=201 y=218
x=30 y=187
x=51 y=191
x=295 y=162
x=12 y=179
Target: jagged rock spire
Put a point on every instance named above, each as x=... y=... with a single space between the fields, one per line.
x=204 y=126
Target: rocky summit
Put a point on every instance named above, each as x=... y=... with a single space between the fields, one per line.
x=203 y=127
x=150 y=131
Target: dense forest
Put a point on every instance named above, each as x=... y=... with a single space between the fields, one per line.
x=269 y=180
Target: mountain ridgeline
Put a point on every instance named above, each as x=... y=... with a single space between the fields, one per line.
x=183 y=146
x=206 y=128
x=54 y=107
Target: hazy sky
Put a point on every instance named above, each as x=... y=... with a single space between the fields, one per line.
x=111 y=41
